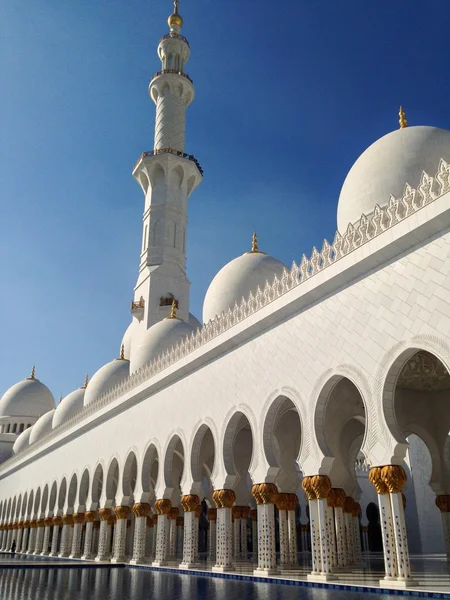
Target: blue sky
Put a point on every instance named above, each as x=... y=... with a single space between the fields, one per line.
x=288 y=95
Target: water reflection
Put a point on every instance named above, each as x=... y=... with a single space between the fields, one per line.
x=134 y=584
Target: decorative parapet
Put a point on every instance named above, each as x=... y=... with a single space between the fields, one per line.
x=172 y=72
x=169 y=151
x=369 y=227
x=139 y=304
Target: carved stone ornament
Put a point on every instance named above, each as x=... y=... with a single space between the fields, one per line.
x=163 y=506
x=281 y=501
x=104 y=514
x=377 y=482
x=394 y=478
x=321 y=485
x=224 y=498
x=356 y=509
x=90 y=516
x=122 y=512
x=57 y=521
x=141 y=509
x=308 y=489
x=78 y=518
x=67 y=519
x=189 y=502
x=236 y=512
x=424 y=371
x=265 y=493
x=338 y=497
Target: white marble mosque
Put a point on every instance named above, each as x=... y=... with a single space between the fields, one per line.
x=306 y=419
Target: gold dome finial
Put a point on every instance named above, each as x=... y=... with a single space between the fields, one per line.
x=122 y=352
x=60 y=398
x=254 y=242
x=33 y=370
x=86 y=381
x=402 y=118
x=173 y=312
x=175 y=19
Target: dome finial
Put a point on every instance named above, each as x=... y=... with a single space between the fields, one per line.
x=86 y=381
x=175 y=20
x=33 y=370
x=60 y=398
x=122 y=352
x=402 y=118
x=254 y=242
x=173 y=312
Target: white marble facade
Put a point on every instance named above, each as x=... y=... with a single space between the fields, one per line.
x=322 y=385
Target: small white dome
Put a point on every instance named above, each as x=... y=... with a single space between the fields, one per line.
x=42 y=426
x=106 y=377
x=130 y=333
x=68 y=406
x=158 y=338
x=237 y=279
x=28 y=398
x=23 y=441
x=386 y=166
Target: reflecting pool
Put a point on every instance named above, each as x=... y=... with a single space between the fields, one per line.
x=47 y=583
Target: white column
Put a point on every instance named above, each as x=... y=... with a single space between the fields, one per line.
x=224 y=500
x=141 y=511
x=180 y=536
x=236 y=533
x=265 y=495
x=104 y=535
x=387 y=530
x=19 y=538
x=322 y=509
x=315 y=538
x=244 y=546
x=341 y=540
x=75 y=551
x=212 y=540
x=154 y=535
x=332 y=533
x=173 y=533
x=348 y=520
x=190 y=541
x=443 y=503
x=284 y=538
x=39 y=536
x=163 y=507
x=55 y=535
x=357 y=534
x=401 y=540
x=254 y=518
x=32 y=537
x=66 y=536
x=120 y=531
x=46 y=540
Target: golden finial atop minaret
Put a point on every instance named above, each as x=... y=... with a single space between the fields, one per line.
x=122 y=352
x=254 y=242
x=402 y=118
x=86 y=381
x=175 y=19
x=33 y=370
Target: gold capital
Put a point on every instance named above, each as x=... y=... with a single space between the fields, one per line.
x=190 y=502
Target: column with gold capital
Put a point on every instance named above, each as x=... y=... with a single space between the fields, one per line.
x=265 y=495
x=56 y=522
x=89 y=535
x=443 y=503
x=172 y=517
x=122 y=513
x=103 y=537
x=31 y=537
x=281 y=504
x=331 y=501
x=224 y=500
x=314 y=526
x=236 y=520
x=339 y=527
x=356 y=511
x=394 y=478
x=245 y=511
x=254 y=518
x=162 y=507
x=190 y=504
x=212 y=518
x=39 y=536
x=67 y=520
x=47 y=530
x=78 y=520
x=141 y=511
x=321 y=486
x=292 y=501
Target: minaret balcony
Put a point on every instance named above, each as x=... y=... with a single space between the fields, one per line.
x=172 y=72
x=158 y=151
x=137 y=308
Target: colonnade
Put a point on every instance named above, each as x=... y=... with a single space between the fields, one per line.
x=333 y=536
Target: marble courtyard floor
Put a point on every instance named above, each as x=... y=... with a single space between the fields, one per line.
x=432 y=573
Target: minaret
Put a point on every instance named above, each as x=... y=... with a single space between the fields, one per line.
x=167 y=176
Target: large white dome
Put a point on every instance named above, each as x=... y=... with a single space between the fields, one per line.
x=158 y=338
x=107 y=377
x=28 y=398
x=42 y=427
x=23 y=441
x=68 y=406
x=130 y=333
x=237 y=279
x=386 y=166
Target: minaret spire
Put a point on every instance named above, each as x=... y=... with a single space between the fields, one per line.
x=167 y=176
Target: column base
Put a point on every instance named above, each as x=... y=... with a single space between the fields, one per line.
x=119 y=559
x=54 y=554
x=45 y=553
x=75 y=555
x=398 y=583
x=160 y=563
x=87 y=557
x=321 y=577
x=139 y=561
x=286 y=567
x=224 y=569
x=265 y=572
x=184 y=565
x=102 y=559
x=61 y=555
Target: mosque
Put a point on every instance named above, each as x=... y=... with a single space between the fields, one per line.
x=307 y=416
